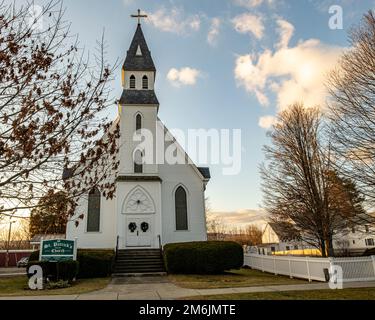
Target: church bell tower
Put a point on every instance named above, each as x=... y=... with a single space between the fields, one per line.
x=138 y=108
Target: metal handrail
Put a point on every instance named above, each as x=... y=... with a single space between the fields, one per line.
x=160 y=246
x=117 y=241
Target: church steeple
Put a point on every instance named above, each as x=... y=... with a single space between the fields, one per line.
x=138 y=57
x=138 y=72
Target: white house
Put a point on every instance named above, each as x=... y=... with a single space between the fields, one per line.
x=155 y=203
x=275 y=239
x=352 y=242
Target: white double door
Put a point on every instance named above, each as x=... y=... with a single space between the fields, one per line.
x=139 y=231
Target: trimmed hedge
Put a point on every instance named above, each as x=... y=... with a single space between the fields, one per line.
x=369 y=252
x=34 y=256
x=209 y=257
x=92 y=263
x=56 y=271
x=95 y=263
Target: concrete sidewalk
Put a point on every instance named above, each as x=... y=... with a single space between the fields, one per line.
x=159 y=288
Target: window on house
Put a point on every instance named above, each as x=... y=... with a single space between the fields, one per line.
x=273 y=249
x=353 y=241
x=287 y=248
x=138 y=122
x=138 y=162
x=369 y=242
x=367 y=229
x=181 y=209
x=353 y=230
x=132 y=82
x=93 y=211
x=144 y=82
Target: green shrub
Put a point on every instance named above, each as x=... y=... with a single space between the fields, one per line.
x=212 y=257
x=56 y=271
x=95 y=263
x=34 y=256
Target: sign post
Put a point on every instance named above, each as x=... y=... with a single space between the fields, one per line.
x=58 y=250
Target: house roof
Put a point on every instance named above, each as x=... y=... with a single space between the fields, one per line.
x=138 y=57
x=138 y=97
x=38 y=237
x=284 y=230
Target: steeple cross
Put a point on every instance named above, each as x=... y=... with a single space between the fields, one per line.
x=139 y=16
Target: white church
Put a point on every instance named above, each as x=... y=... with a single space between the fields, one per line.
x=154 y=204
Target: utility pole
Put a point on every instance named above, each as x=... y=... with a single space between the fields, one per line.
x=8 y=244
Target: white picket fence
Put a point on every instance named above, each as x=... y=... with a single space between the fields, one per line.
x=310 y=268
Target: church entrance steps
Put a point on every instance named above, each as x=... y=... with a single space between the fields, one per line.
x=147 y=274
x=139 y=261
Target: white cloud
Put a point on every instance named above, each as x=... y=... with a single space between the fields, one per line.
x=285 y=31
x=253 y=3
x=214 y=31
x=241 y=218
x=249 y=23
x=267 y=122
x=293 y=74
x=185 y=76
x=174 y=20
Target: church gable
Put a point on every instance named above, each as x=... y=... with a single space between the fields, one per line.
x=138 y=201
x=202 y=172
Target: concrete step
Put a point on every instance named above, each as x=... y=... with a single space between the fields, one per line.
x=139 y=274
x=139 y=262
x=139 y=258
x=116 y=271
x=145 y=258
x=139 y=251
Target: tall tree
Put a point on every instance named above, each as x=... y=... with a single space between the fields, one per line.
x=299 y=182
x=52 y=109
x=51 y=214
x=352 y=108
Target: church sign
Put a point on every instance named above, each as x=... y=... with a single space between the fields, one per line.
x=58 y=250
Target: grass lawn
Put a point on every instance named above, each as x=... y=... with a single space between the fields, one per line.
x=345 y=294
x=17 y=286
x=234 y=278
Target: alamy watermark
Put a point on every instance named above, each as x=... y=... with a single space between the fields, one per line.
x=203 y=146
x=336 y=21
x=36 y=278
x=335 y=277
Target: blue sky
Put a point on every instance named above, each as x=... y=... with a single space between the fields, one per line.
x=250 y=57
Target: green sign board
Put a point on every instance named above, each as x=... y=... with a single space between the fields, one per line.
x=57 y=250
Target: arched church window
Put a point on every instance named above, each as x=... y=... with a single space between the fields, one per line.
x=138 y=162
x=132 y=81
x=138 y=122
x=181 y=209
x=145 y=82
x=93 y=211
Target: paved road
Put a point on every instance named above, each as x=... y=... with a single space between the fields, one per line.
x=12 y=271
x=159 y=288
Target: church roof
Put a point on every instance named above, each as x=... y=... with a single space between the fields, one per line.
x=138 y=97
x=138 y=57
x=205 y=172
